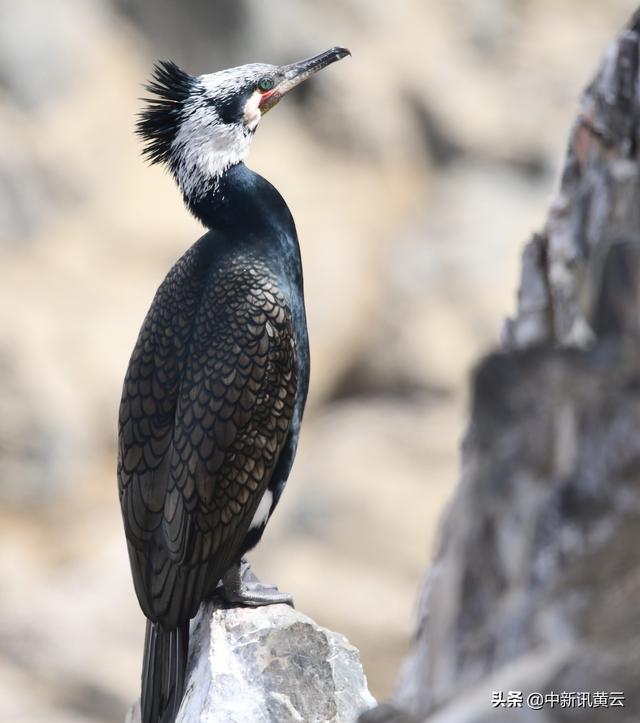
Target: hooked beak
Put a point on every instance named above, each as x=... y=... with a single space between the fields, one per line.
x=296 y=73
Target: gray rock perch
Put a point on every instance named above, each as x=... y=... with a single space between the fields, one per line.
x=269 y=665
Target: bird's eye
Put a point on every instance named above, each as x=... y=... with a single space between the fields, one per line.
x=265 y=84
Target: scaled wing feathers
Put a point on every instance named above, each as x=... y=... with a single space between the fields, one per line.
x=206 y=409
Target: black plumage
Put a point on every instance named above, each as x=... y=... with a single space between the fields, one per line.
x=206 y=409
x=215 y=389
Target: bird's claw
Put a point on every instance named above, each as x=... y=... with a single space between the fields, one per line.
x=241 y=587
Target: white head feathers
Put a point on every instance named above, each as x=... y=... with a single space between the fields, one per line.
x=201 y=125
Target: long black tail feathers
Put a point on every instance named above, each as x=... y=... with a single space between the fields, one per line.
x=163 y=671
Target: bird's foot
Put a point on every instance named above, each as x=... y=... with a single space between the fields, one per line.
x=241 y=587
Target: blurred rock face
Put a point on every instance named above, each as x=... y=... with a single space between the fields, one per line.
x=530 y=604
x=414 y=172
x=535 y=586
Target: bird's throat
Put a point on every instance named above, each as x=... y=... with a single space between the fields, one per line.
x=201 y=157
x=225 y=201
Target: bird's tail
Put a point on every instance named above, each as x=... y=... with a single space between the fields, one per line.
x=163 y=672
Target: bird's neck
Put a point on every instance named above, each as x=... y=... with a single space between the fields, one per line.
x=202 y=154
x=239 y=201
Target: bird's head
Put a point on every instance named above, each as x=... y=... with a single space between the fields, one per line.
x=199 y=126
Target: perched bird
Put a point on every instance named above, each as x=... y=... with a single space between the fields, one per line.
x=216 y=386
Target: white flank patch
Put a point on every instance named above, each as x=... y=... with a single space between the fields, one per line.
x=262 y=512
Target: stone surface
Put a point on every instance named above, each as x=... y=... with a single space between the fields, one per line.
x=269 y=665
x=596 y=206
x=536 y=584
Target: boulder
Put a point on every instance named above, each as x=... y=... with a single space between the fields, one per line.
x=269 y=665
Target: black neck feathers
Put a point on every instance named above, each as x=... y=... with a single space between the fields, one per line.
x=242 y=202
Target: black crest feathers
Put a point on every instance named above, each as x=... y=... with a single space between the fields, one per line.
x=159 y=121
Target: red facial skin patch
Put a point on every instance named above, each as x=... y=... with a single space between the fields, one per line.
x=270 y=95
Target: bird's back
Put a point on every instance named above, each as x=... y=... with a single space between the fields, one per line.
x=207 y=408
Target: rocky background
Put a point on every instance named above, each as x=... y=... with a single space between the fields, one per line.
x=415 y=171
x=530 y=607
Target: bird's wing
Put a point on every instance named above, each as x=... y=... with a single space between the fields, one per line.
x=191 y=481
x=150 y=393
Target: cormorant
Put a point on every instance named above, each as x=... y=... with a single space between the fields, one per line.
x=216 y=385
